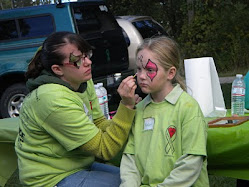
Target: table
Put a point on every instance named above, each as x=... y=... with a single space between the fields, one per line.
x=8 y=159
x=227 y=149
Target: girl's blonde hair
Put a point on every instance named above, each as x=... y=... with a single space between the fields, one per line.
x=167 y=53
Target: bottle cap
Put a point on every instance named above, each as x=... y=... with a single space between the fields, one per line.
x=239 y=75
x=100 y=84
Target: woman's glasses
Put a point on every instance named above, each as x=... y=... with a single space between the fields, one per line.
x=78 y=60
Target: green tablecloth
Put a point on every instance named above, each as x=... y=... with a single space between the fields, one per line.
x=8 y=158
x=228 y=150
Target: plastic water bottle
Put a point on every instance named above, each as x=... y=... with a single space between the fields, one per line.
x=100 y=96
x=105 y=100
x=238 y=96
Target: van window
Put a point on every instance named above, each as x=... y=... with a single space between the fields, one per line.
x=93 y=18
x=29 y=27
x=8 y=30
x=86 y=20
x=36 y=26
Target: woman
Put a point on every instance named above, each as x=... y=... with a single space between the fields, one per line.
x=62 y=128
x=167 y=144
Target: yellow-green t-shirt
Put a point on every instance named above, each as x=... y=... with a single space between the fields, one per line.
x=165 y=131
x=54 y=122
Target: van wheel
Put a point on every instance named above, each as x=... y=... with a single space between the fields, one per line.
x=11 y=100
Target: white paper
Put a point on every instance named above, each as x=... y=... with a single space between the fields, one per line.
x=203 y=84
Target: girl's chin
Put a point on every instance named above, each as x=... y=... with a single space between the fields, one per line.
x=145 y=90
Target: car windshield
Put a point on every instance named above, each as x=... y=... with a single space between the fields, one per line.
x=149 y=28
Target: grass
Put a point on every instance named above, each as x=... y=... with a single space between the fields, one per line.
x=219 y=181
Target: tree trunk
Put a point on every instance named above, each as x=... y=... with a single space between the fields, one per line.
x=190 y=4
x=12 y=4
x=1 y=5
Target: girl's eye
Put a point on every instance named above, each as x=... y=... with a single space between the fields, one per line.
x=150 y=70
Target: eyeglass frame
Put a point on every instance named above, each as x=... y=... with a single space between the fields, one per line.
x=78 y=60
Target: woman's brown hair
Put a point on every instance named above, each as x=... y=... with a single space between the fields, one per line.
x=49 y=53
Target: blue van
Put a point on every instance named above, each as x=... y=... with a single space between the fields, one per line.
x=22 y=31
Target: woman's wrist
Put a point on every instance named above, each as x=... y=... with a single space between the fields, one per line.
x=130 y=106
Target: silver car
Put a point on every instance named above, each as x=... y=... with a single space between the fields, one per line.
x=137 y=28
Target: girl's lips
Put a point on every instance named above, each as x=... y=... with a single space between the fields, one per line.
x=143 y=85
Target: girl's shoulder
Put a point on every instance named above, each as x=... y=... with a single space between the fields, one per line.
x=188 y=105
x=185 y=98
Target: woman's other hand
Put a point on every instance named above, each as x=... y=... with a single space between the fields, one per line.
x=126 y=91
x=137 y=98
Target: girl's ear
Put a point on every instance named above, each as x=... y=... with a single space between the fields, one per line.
x=171 y=73
x=57 y=69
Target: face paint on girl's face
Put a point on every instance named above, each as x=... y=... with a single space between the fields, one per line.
x=140 y=59
x=152 y=69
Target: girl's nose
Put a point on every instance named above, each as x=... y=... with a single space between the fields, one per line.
x=141 y=75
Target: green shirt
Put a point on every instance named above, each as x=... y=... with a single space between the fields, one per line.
x=54 y=122
x=165 y=131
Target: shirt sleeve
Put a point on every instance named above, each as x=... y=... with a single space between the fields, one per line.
x=130 y=176
x=102 y=123
x=106 y=144
x=186 y=171
x=194 y=136
x=130 y=146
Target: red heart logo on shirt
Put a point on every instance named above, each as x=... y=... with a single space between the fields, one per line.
x=172 y=131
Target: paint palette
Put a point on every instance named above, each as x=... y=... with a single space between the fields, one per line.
x=228 y=121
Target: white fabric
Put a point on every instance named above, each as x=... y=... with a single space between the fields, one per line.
x=130 y=176
x=186 y=172
x=203 y=84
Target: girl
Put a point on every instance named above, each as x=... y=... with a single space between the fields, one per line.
x=167 y=144
x=62 y=128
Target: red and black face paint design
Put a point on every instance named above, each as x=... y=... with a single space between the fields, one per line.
x=140 y=59
x=152 y=69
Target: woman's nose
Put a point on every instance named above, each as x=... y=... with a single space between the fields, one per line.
x=88 y=61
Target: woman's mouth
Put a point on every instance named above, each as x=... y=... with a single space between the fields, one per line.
x=88 y=71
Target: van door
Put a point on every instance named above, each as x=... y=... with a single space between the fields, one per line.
x=99 y=27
